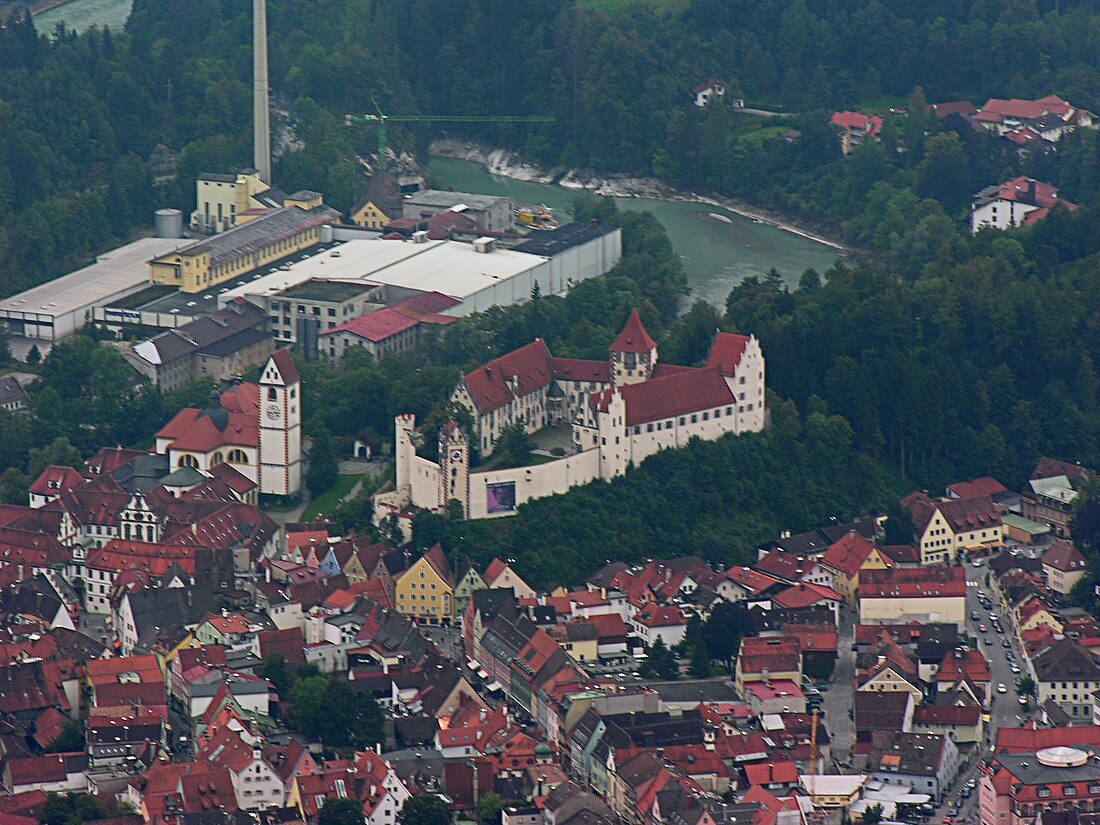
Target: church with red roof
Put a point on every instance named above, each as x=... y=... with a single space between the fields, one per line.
x=256 y=429
x=620 y=412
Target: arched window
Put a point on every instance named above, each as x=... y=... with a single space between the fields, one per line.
x=237 y=457
x=217 y=458
x=272 y=394
x=189 y=461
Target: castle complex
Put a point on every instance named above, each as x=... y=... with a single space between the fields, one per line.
x=621 y=411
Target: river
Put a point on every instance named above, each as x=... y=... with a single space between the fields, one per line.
x=717 y=253
x=83 y=14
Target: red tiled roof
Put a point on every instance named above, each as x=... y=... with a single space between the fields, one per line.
x=232 y=478
x=493 y=571
x=1063 y=556
x=1030 y=191
x=913 y=583
x=155 y=559
x=438 y=561
x=955 y=107
x=37 y=769
x=1051 y=467
x=848 y=554
x=54 y=480
x=978 y=487
x=1028 y=740
x=340 y=599
x=376 y=326
x=660 y=616
x=1025 y=109
x=577 y=369
x=707 y=84
x=928 y=714
x=285 y=365
x=772 y=773
x=27 y=549
x=191 y=430
x=726 y=352
x=753 y=581
x=777 y=655
x=900 y=553
x=812 y=638
x=969 y=514
x=609 y=625
x=784 y=565
x=674 y=395
x=633 y=338
x=804 y=595
x=529 y=366
x=857 y=121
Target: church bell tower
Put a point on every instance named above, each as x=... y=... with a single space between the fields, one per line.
x=280 y=455
x=454 y=467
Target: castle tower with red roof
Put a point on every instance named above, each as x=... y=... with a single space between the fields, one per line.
x=633 y=354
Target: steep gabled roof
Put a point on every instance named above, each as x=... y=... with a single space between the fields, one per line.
x=633 y=337
x=848 y=554
x=490 y=386
x=726 y=352
x=1065 y=557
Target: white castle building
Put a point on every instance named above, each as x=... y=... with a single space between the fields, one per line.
x=256 y=429
x=622 y=411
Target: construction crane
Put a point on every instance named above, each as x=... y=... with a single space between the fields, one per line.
x=381 y=120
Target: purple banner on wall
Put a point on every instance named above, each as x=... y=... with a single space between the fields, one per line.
x=500 y=497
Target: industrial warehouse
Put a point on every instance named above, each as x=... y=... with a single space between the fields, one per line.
x=313 y=286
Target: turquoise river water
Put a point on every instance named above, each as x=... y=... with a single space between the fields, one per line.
x=82 y=14
x=718 y=253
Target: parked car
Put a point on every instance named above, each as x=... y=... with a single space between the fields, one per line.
x=1001 y=688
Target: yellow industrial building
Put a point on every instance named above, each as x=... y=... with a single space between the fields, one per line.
x=265 y=238
x=225 y=201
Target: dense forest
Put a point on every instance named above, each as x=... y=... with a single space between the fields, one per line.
x=932 y=356
x=99 y=129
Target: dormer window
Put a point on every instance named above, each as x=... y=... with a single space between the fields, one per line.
x=54 y=485
x=94 y=470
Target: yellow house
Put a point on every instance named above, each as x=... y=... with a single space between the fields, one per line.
x=165 y=656
x=876 y=561
x=1033 y=614
x=240 y=250
x=381 y=203
x=845 y=559
x=887 y=677
x=946 y=527
x=578 y=639
x=426 y=590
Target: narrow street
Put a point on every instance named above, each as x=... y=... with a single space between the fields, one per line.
x=838 y=698
x=1005 y=710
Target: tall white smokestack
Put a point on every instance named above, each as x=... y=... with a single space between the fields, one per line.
x=261 y=113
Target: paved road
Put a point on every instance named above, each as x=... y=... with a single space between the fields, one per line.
x=838 y=701
x=1006 y=709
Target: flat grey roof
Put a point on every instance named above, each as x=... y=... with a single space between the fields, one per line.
x=113 y=274
x=449 y=267
x=552 y=242
x=318 y=290
x=440 y=199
